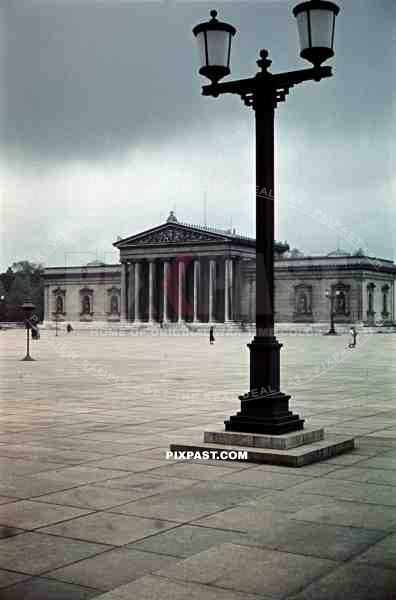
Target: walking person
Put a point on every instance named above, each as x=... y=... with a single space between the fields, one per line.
x=35 y=332
x=354 y=335
x=211 y=336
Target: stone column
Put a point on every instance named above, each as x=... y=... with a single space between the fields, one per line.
x=212 y=266
x=151 y=291
x=231 y=288
x=165 y=295
x=237 y=289
x=196 y=284
x=180 y=291
x=136 y=291
x=123 y=292
x=226 y=291
x=130 y=292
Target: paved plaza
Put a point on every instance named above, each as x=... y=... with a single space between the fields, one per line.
x=91 y=508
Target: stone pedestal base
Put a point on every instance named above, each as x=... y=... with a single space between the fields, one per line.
x=279 y=442
x=292 y=450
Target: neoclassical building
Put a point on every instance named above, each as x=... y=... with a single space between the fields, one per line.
x=177 y=272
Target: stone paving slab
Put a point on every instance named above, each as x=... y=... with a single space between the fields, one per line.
x=107 y=528
x=8 y=578
x=355 y=582
x=161 y=588
x=351 y=514
x=34 y=553
x=39 y=588
x=266 y=572
x=187 y=540
x=94 y=497
x=190 y=503
x=111 y=569
x=382 y=554
x=314 y=539
x=31 y=515
x=69 y=441
x=242 y=519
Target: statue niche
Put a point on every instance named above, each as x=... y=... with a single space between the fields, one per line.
x=303 y=302
x=86 y=296
x=59 y=305
x=86 y=305
x=114 y=310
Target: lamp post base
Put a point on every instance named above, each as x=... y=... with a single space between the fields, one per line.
x=264 y=409
x=331 y=332
x=28 y=358
x=268 y=414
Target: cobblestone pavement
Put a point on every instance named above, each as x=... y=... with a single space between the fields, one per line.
x=90 y=507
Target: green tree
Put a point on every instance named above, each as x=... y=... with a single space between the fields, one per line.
x=21 y=280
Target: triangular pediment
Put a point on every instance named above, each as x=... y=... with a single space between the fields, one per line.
x=172 y=233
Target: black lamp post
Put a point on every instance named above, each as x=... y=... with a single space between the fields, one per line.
x=332 y=297
x=28 y=309
x=265 y=409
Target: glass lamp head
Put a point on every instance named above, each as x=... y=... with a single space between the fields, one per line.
x=214 y=44
x=316 y=26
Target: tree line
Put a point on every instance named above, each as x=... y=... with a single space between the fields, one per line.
x=24 y=279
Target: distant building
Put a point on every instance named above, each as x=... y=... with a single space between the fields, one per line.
x=211 y=277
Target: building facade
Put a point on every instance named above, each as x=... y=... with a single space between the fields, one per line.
x=177 y=272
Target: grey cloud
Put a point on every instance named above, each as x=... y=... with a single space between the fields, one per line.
x=91 y=78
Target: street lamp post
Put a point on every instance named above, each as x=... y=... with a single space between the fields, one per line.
x=265 y=409
x=332 y=297
x=28 y=308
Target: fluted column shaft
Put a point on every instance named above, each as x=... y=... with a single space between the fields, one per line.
x=180 y=291
x=130 y=292
x=226 y=291
x=136 y=290
x=123 y=291
x=196 y=284
x=151 y=290
x=165 y=296
x=231 y=289
x=212 y=266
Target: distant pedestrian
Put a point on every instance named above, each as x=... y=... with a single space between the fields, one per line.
x=211 y=336
x=69 y=328
x=354 y=335
x=35 y=332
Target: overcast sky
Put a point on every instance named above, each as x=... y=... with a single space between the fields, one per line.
x=101 y=103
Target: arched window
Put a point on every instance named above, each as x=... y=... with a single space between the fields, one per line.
x=114 y=305
x=59 y=305
x=86 y=305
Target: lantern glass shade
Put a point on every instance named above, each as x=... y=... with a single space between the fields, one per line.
x=28 y=309
x=214 y=45
x=316 y=24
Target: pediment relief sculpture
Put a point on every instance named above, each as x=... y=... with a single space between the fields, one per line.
x=173 y=234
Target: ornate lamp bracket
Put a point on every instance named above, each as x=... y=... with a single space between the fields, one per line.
x=266 y=89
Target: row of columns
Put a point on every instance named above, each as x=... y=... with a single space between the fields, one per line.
x=131 y=283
